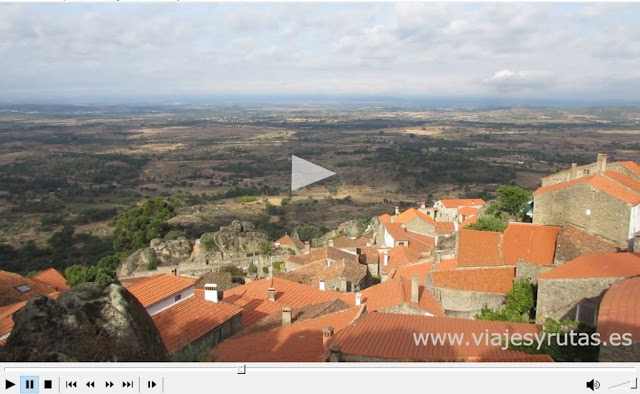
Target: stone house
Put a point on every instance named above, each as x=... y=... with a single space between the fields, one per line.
x=600 y=198
x=448 y=210
x=574 y=290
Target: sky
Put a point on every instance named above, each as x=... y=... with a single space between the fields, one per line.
x=69 y=52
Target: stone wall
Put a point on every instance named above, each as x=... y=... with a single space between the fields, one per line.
x=586 y=207
x=530 y=271
x=559 y=298
x=573 y=242
x=421 y=226
x=613 y=354
x=466 y=304
x=405 y=309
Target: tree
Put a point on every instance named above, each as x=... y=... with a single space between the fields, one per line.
x=307 y=232
x=103 y=273
x=520 y=300
x=513 y=199
x=265 y=251
x=488 y=223
x=137 y=226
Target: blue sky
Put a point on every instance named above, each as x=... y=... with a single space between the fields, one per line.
x=543 y=51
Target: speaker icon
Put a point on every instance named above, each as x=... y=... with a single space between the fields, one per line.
x=593 y=384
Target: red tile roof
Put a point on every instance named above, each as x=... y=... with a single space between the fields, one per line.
x=485 y=280
x=190 y=319
x=348 y=243
x=319 y=270
x=253 y=298
x=574 y=242
x=479 y=248
x=462 y=202
x=297 y=342
x=467 y=211
x=408 y=271
x=533 y=243
x=391 y=337
x=385 y=218
x=397 y=291
x=420 y=242
x=620 y=309
x=286 y=240
x=321 y=254
x=602 y=183
x=399 y=256
x=411 y=214
x=397 y=231
x=624 y=180
x=445 y=227
x=53 y=278
x=468 y=221
x=632 y=166
x=447 y=265
x=9 y=294
x=159 y=287
x=610 y=265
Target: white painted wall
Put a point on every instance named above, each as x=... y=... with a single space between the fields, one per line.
x=634 y=221
x=170 y=301
x=389 y=242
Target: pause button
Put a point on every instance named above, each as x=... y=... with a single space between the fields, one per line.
x=29 y=385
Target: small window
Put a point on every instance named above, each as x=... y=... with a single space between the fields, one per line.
x=587 y=313
x=23 y=288
x=177 y=298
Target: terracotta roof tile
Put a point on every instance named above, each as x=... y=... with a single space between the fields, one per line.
x=468 y=211
x=479 y=248
x=397 y=291
x=610 y=265
x=462 y=202
x=602 y=183
x=253 y=297
x=321 y=254
x=574 y=242
x=447 y=265
x=408 y=271
x=385 y=218
x=190 y=319
x=632 y=166
x=159 y=287
x=9 y=294
x=399 y=256
x=349 y=269
x=53 y=278
x=411 y=214
x=390 y=336
x=297 y=342
x=420 y=242
x=397 y=231
x=620 y=309
x=445 y=227
x=347 y=243
x=533 y=243
x=485 y=280
x=286 y=240
x=468 y=221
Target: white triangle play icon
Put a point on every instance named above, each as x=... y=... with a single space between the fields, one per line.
x=304 y=173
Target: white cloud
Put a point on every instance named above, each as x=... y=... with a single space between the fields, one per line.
x=508 y=80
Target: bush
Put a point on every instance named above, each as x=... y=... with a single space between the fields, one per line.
x=172 y=235
x=253 y=269
x=244 y=199
x=520 y=301
x=488 y=223
x=137 y=226
x=153 y=263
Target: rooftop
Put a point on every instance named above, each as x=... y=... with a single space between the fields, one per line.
x=159 y=287
x=486 y=280
x=533 y=243
x=319 y=270
x=297 y=342
x=609 y=265
x=287 y=240
x=615 y=188
x=321 y=254
x=620 y=309
x=397 y=231
x=399 y=256
x=411 y=214
x=391 y=337
x=15 y=288
x=462 y=202
x=348 y=243
x=253 y=297
x=190 y=319
x=397 y=291
x=468 y=211
x=51 y=277
x=479 y=248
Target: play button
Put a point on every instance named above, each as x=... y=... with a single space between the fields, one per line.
x=304 y=173
x=8 y=384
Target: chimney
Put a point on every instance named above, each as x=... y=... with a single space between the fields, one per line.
x=327 y=334
x=270 y=271
x=307 y=247
x=335 y=355
x=438 y=256
x=602 y=163
x=330 y=243
x=574 y=171
x=415 y=289
x=343 y=285
x=211 y=292
x=397 y=211
x=636 y=243
x=358 y=251
x=386 y=258
x=321 y=284
x=272 y=294
x=423 y=205
x=286 y=315
x=328 y=261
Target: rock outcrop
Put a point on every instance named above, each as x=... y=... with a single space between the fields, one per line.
x=230 y=242
x=86 y=323
x=160 y=251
